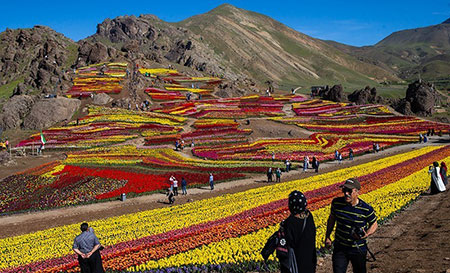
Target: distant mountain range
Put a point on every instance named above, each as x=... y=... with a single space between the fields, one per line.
x=237 y=44
x=410 y=54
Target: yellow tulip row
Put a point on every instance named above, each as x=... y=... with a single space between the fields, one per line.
x=385 y=201
x=107 y=139
x=193 y=90
x=361 y=125
x=128 y=154
x=56 y=242
x=158 y=71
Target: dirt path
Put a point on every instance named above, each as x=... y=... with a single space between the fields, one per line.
x=30 y=222
x=415 y=240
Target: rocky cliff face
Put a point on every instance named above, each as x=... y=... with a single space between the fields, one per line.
x=35 y=61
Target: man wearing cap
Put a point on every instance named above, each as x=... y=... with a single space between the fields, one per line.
x=355 y=220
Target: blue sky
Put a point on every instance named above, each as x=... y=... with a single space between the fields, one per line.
x=351 y=22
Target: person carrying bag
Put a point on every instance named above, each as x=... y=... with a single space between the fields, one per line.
x=295 y=241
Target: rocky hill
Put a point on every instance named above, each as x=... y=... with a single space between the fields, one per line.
x=411 y=53
x=34 y=61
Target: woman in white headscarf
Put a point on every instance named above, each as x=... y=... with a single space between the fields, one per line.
x=437 y=185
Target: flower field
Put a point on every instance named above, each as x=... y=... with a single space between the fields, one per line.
x=320 y=145
x=175 y=83
x=239 y=108
x=328 y=116
x=228 y=229
x=98 y=78
x=404 y=125
x=106 y=172
x=106 y=126
x=114 y=151
x=324 y=108
x=206 y=132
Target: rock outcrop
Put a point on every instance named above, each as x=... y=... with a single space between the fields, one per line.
x=334 y=93
x=15 y=110
x=420 y=99
x=148 y=38
x=101 y=99
x=47 y=112
x=366 y=96
x=35 y=60
x=94 y=53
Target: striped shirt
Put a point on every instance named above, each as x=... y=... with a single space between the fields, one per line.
x=347 y=216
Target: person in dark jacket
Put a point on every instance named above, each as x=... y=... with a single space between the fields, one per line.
x=443 y=171
x=301 y=236
x=315 y=164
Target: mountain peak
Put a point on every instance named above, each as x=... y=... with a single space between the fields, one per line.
x=224 y=9
x=446 y=21
x=225 y=6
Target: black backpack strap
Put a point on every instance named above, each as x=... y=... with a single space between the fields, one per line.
x=304 y=223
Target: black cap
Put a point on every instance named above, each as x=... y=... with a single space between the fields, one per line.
x=352 y=183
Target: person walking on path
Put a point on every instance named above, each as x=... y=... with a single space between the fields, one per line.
x=436 y=185
x=273 y=156
x=443 y=172
x=315 y=164
x=300 y=234
x=305 y=163
x=170 y=196
x=350 y=154
x=377 y=147
x=288 y=165
x=183 y=186
x=211 y=181
x=339 y=158
x=355 y=220
x=87 y=246
x=278 y=175
x=269 y=174
x=174 y=185
x=420 y=138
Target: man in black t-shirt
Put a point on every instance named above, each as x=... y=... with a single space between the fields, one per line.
x=355 y=220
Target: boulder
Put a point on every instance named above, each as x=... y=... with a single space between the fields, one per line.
x=403 y=106
x=366 y=96
x=125 y=103
x=101 y=99
x=422 y=96
x=15 y=110
x=333 y=94
x=4 y=157
x=93 y=53
x=47 y=112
